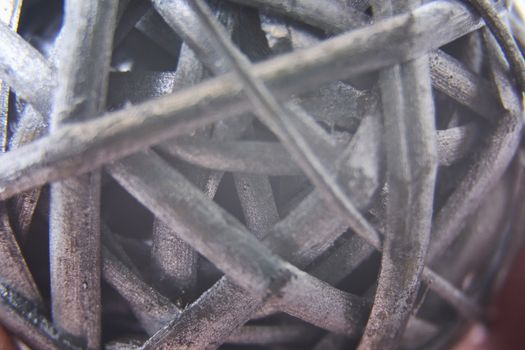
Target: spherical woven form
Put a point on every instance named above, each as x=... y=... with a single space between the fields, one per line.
x=264 y=174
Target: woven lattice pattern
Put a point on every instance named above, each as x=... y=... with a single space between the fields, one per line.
x=181 y=174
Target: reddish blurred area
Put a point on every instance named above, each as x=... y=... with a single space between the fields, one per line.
x=505 y=329
x=5 y=340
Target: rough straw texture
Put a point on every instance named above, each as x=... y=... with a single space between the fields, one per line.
x=271 y=173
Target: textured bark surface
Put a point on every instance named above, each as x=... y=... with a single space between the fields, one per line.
x=74 y=231
x=256 y=174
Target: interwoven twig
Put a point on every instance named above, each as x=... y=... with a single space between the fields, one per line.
x=352 y=119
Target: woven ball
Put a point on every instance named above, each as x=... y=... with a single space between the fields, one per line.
x=264 y=174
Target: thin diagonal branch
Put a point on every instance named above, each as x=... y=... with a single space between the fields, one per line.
x=448 y=75
x=323 y=53
x=22 y=67
x=84 y=146
x=225 y=307
x=276 y=118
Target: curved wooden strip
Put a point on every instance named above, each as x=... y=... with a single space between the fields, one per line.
x=485 y=168
x=411 y=157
